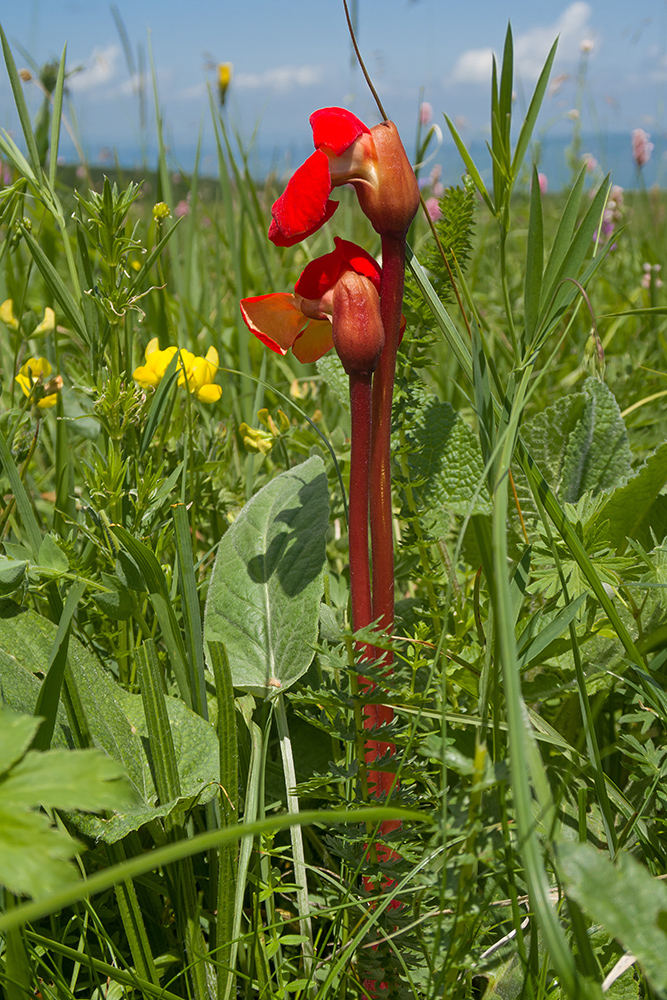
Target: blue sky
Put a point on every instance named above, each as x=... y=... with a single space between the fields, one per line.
x=292 y=56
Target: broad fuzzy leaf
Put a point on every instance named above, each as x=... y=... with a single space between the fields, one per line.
x=580 y=443
x=446 y=464
x=625 y=898
x=267 y=584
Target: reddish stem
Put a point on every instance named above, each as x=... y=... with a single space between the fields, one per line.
x=382 y=538
x=360 y=444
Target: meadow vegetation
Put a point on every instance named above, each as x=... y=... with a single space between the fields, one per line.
x=172 y=827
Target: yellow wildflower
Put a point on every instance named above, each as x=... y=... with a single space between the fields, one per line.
x=199 y=373
x=7 y=314
x=156 y=364
x=47 y=325
x=31 y=378
x=224 y=80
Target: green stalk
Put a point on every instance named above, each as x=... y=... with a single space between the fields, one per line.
x=300 y=877
x=521 y=739
x=168 y=786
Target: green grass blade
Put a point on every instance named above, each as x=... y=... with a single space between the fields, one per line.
x=26 y=512
x=153 y=859
x=533 y=111
x=534 y=261
x=562 y=239
x=158 y=405
x=522 y=744
x=48 y=699
x=575 y=253
x=21 y=106
x=57 y=287
x=470 y=165
x=156 y=585
x=56 y=119
x=191 y=611
x=227 y=924
x=454 y=339
x=160 y=738
x=142 y=274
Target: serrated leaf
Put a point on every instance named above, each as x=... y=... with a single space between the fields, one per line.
x=66 y=779
x=580 y=443
x=629 y=508
x=445 y=455
x=34 y=857
x=333 y=373
x=267 y=583
x=624 y=897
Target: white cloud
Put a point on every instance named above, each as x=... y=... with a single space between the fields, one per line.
x=474 y=66
x=531 y=47
x=282 y=78
x=99 y=69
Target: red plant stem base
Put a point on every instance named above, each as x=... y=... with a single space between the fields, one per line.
x=381 y=783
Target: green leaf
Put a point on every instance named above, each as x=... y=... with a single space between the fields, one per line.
x=267 y=583
x=562 y=240
x=533 y=111
x=534 y=261
x=12 y=573
x=470 y=165
x=66 y=779
x=21 y=106
x=580 y=443
x=625 y=898
x=16 y=735
x=57 y=287
x=117 y=602
x=51 y=556
x=56 y=117
x=34 y=857
x=334 y=375
x=445 y=455
x=629 y=509
x=114 y=719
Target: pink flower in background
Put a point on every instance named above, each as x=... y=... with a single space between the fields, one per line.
x=425 y=113
x=590 y=161
x=543 y=182
x=641 y=147
x=433 y=209
x=650 y=276
x=182 y=209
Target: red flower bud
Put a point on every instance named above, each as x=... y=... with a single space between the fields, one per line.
x=358 y=334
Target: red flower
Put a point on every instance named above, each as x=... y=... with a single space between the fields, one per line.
x=302 y=321
x=348 y=152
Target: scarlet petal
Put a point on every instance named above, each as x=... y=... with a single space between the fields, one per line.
x=323 y=272
x=315 y=341
x=304 y=205
x=336 y=129
x=360 y=261
x=274 y=319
